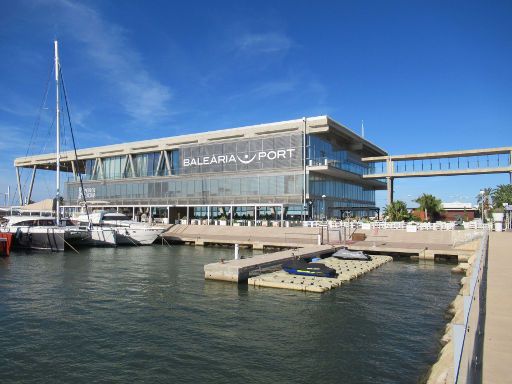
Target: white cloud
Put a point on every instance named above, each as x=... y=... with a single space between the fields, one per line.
x=263 y=43
x=141 y=95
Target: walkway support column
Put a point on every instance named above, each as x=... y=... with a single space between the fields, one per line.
x=389 y=181
x=510 y=174
x=31 y=184
x=73 y=168
x=19 y=185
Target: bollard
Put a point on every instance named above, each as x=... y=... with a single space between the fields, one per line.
x=237 y=252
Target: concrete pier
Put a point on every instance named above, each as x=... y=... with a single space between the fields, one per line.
x=425 y=245
x=239 y=270
x=255 y=237
x=489 y=320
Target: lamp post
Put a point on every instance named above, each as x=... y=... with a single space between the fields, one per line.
x=311 y=213
x=323 y=206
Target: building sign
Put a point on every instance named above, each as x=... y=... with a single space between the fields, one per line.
x=245 y=159
x=90 y=193
x=249 y=154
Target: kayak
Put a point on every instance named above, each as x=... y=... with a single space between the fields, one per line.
x=300 y=267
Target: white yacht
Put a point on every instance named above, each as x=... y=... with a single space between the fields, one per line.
x=42 y=233
x=128 y=231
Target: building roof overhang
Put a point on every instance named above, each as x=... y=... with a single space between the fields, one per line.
x=336 y=133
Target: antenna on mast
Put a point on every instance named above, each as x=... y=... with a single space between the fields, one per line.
x=362 y=129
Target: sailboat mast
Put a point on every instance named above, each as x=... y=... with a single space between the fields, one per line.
x=57 y=196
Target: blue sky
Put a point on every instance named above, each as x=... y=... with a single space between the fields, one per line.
x=423 y=75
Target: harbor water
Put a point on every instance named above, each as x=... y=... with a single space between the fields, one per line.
x=146 y=314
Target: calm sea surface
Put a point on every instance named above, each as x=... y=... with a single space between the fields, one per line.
x=146 y=314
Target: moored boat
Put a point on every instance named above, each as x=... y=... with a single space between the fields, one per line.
x=5 y=244
x=128 y=232
x=301 y=267
x=42 y=233
x=346 y=254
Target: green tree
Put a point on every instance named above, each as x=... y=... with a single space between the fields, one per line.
x=431 y=205
x=396 y=211
x=501 y=194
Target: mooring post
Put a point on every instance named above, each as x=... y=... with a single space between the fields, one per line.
x=237 y=251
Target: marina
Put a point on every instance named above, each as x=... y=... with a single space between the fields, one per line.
x=216 y=210
x=147 y=314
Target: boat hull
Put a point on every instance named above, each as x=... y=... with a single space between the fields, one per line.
x=95 y=237
x=47 y=239
x=137 y=236
x=5 y=243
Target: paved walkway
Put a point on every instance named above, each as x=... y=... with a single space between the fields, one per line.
x=497 y=358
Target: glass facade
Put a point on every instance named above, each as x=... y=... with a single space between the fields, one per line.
x=322 y=152
x=260 y=170
x=208 y=189
x=120 y=167
x=338 y=193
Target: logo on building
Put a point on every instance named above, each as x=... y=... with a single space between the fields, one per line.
x=245 y=159
x=89 y=193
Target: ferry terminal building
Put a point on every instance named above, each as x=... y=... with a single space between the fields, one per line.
x=306 y=168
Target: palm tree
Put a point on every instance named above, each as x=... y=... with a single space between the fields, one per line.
x=502 y=194
x=396 y=211
x=431 y=205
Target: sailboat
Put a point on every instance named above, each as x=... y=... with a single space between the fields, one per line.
x=49 y=233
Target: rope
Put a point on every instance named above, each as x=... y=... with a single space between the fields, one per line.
x=69 y=245
x=74 y=145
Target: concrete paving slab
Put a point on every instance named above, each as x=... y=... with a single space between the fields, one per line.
x=497 y=357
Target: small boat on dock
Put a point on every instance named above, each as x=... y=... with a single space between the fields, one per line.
x=301 y=267
x=345 y=254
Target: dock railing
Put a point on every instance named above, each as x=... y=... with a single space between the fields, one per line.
x=399 y=225
x=468 y=335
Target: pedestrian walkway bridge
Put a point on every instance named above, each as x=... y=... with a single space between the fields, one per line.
x=453 y=163
x=469 y=162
